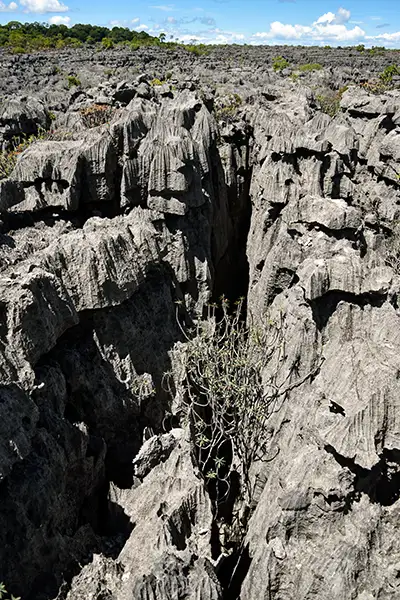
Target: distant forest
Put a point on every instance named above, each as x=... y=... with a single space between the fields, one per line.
x=25 y=37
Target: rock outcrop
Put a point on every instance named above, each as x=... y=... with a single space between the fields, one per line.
x=325 y=216
x=114 y=238
x=89 y=319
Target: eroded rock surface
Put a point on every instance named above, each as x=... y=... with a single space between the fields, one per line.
x=113 y=240
x=325 y=215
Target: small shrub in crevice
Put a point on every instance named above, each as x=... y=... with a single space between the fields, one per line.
x=329 y=101
x=388 y=73
x=279 y=64
x=227 y=107
x=310 y=67
x=73 y=81
x=8 y=158
x=96 y=115
x=156 y=82
x=235 y=377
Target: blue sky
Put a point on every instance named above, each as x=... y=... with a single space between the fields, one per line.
x=305 y=22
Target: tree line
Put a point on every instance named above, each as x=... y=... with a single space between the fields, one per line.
x=23 y=37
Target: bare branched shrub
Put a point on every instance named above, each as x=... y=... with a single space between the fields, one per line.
x=97 y=114
x=235 y=378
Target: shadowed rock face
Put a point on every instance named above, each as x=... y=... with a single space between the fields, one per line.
x=106 y=235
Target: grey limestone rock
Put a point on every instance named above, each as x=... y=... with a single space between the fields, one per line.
x=319 y=259
x=112 y=244
x=171 y=517
x=22 y=116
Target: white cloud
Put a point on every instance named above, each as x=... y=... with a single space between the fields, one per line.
x=141 y=27
x=8 y=7
x=212 y=36
x=326 y=18
x=342 y=16
x=58 y=20
x=191 y=37
x=165 y=7
x=385 y=37
x=43 y=6
x=134 y=21
x=328 y=27
x=281 y=31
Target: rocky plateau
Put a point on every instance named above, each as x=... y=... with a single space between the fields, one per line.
x=159 y=182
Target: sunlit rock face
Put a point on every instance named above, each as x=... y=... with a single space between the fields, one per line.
x=115 y=237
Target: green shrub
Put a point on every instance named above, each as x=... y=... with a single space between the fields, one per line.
x=279 y=64
x=199 y=50
x=73 y=81
x=308 y=68
x=388 y=73
x=156 y=82
x=107 y=43
x=8 y=158
x=360 y=48
x=226 y=107
x=376 y=50
x=329 y=102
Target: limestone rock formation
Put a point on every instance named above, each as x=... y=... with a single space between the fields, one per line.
x=323 y=526
x=115 y=235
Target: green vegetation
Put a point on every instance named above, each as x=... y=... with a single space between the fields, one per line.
x=27 y=37
x=329 y=102
x=308 y=68
x=199 y=50
x=279 y=64
x=388 y=73
x=226 y=107
x=376 y=50
x=8 y=158
x=107 y=43
x=156 y=82
x=4 y=595
x=73 y=81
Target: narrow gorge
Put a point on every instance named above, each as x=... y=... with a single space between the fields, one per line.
x=149 y=200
